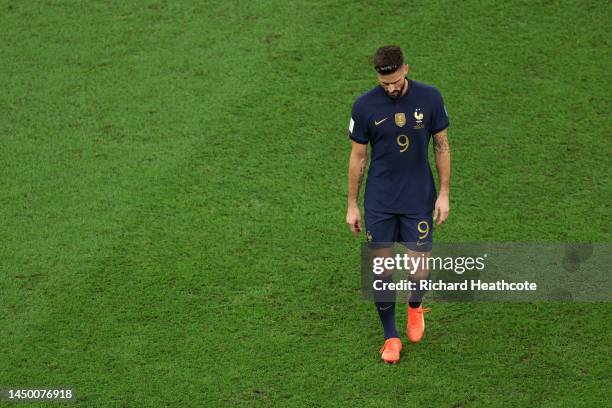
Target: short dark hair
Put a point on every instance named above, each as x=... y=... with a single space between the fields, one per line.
x=388 y=59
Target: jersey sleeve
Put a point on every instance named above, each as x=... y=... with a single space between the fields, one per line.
x=359 y=130
x=439 y=117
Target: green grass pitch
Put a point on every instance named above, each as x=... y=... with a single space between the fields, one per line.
x=173 y=194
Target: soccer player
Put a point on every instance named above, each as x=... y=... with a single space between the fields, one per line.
x=397 y=119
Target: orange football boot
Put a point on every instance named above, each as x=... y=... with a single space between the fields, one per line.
x=390 y=351
x=416 y=323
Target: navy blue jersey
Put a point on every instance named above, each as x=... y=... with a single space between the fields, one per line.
x=400 y=179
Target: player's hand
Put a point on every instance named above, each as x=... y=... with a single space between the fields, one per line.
x=441 y=209
x=353 y=219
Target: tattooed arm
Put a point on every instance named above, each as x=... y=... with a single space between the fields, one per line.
x=443 y=164
x=356 y=170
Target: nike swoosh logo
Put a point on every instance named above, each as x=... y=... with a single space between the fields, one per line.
x=378 y=122
x=421 y=243
x=382 y=309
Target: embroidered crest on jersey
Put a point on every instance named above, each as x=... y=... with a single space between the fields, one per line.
x=418 y=116
x=400 y=119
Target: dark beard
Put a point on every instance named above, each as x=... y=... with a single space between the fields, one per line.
x=396 y=96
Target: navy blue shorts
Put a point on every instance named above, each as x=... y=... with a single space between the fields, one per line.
x=414 y=231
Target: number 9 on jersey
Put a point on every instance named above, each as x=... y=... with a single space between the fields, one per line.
x=403 y=142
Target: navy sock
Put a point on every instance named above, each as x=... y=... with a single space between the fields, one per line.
x=385 y=306
x=416 y=296
x=386 y=312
